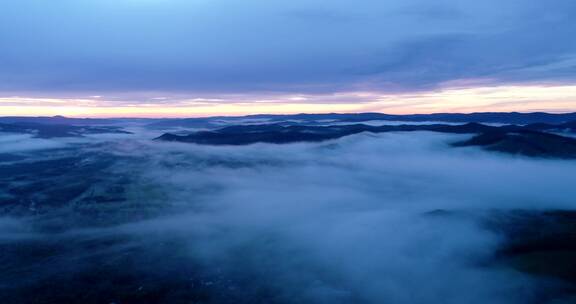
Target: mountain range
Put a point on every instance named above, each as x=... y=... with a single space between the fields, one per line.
x=481 y=117
x=530 y=140
x=531 y=134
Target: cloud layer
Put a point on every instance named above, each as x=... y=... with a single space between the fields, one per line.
x=349 y=221
x=280 y=46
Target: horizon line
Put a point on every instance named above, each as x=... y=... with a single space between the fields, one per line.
x=290 y=114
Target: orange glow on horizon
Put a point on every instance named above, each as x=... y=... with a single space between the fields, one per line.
x=526 y=98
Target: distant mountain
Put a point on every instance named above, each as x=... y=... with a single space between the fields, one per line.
x=309 y=119
x=488 y=117
x=281 y=134
x=57 y=120
x=568 y=127
x=482 y=117
x=192 y=122
x=509 y=139
x=530 y=143
x=57 y=130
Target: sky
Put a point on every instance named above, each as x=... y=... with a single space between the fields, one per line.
x=172 y=58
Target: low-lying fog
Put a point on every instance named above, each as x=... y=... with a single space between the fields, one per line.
x=387 y=218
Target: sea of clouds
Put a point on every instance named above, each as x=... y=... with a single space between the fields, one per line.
x=386 y=218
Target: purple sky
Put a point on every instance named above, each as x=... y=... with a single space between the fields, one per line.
x=100 y=57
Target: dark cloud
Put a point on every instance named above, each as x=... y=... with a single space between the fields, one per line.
x=282 y=46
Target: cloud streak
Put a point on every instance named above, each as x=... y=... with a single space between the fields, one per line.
x=456 y=96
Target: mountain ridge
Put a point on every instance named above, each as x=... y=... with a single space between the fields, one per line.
x=480 y=117
x=512 y=139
